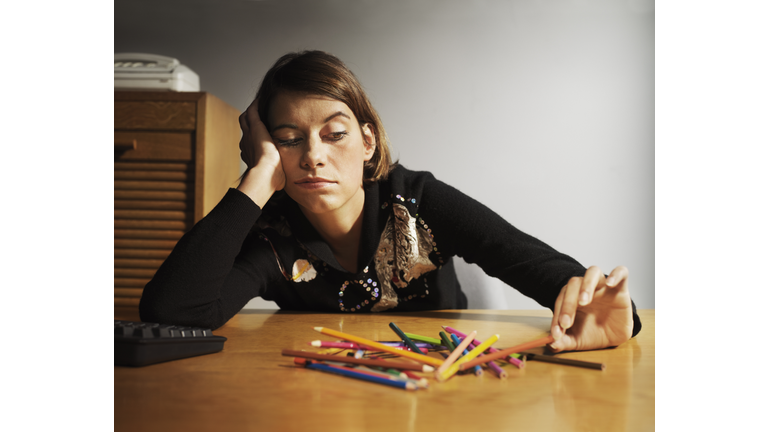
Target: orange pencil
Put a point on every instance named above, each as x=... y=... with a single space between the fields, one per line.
x=392 y=350
x=505 y=352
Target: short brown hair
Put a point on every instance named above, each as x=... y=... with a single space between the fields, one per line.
x=320 y=73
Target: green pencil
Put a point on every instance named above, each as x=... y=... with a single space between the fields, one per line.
x=426 y=339
x=447 y=342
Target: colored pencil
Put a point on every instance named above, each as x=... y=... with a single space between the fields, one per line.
x=511 y=359
x=400 y=343
x=355 y=346
x=467 y=358
x=368 y=362
x=362 y=376
x=564 y=361
x=405 y=338
x=421 y=381
x=456 y=340
x=495 y=367
x=431 y=340
x=413 y=356
x=505 y=352
x=447 y=341
x=455 y=354
x=492 y=364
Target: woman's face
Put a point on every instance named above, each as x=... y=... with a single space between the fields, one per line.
x=323 y=148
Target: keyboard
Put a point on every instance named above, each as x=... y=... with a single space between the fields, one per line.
x=141 y=343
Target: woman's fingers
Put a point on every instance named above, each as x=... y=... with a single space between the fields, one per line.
x=252 y=128
x=618 y=275
x=579 y=292
x=555 y=329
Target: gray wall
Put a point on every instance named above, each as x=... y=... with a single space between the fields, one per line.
x=541 y=109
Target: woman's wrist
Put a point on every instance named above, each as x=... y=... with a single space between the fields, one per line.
x=258 y=184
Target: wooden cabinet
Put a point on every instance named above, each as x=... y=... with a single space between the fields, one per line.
x=176 y=154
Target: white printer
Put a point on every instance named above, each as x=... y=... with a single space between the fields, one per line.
x=137 y=71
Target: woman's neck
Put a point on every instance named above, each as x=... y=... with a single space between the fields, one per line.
x=341 y=229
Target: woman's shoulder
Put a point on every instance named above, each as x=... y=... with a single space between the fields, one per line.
x=407 y=185
x=401 y=174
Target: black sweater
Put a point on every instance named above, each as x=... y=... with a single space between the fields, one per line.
x=412 y=225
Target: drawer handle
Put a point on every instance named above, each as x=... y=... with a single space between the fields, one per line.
x=125 y=145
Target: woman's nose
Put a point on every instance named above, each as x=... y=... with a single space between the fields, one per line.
x=313 y=153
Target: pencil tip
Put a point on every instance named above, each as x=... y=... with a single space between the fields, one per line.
x=318 y=329
x=428 y=368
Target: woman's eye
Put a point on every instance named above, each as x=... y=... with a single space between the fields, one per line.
x=288 y=143
x=337 y=136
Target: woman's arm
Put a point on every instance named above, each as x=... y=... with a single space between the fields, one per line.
x=216 y=268
x=465 y=227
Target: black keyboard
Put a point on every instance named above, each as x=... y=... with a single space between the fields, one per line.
x=141 y=344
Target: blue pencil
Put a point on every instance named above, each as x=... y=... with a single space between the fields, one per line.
x=456 y=340
x=405 y=338
x=351 y=374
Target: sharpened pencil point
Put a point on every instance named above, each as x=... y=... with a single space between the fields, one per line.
x=316 y=343
x=319 y=329
x=428 y=368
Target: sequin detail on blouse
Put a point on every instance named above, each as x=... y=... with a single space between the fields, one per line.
x=368 y=287
x=402 y=255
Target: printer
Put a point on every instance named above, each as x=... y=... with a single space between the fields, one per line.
x=137 y=71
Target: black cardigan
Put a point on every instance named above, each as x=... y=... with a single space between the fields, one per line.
x=412 y=225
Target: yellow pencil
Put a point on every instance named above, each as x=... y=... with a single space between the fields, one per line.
x=381 y=347
x=444 y=375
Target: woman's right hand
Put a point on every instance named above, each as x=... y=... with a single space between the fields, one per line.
x=264 y=174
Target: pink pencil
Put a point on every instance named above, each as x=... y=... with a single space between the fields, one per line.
x=456 y=353
x=510 y=359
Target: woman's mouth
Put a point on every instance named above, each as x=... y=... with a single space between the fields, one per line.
x=313 y=183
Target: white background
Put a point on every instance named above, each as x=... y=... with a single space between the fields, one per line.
x=57 y=210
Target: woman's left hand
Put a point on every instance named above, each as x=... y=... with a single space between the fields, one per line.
x=593 y=312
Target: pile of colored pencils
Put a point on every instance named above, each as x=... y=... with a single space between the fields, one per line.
x=372 y=360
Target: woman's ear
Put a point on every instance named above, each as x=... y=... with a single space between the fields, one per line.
x=369 y=137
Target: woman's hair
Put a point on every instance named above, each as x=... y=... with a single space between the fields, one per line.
x=320 y=73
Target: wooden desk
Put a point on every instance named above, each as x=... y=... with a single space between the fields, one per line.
x=251 y=386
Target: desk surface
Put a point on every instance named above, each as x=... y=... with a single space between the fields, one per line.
x=251 y=386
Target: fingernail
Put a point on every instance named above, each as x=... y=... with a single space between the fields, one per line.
x=557 y=333
x=610 y=281
x=584 y=298
x=565 y=322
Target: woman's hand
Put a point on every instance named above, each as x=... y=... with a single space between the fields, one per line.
x=593 y=312
x=264 y=174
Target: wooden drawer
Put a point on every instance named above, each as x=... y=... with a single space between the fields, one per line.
x=156 y=115
x=154 y=146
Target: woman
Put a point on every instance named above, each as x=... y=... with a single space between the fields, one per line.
x=323 y=220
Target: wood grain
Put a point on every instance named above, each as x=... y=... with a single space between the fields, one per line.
x=251 y=386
